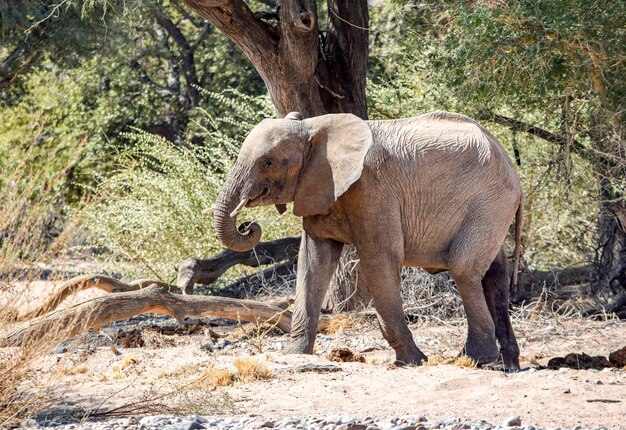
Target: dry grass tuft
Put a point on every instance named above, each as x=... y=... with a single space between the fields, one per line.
x=216 y=377
x=250 y=369
x=339 y=323
x=34 y=230
x=465 y=361
x=79 y=369
x=374 y=360
x=127 y=361
x=461 y=361
x=344 y=355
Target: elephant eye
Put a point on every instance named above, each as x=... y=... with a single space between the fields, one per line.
x=267 y=163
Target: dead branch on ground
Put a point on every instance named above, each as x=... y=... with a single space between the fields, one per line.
x=209 y=270
x=84 y=282
x=130 y=299
x=153 y=299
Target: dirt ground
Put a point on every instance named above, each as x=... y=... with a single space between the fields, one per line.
x=106 y=378
x=171 y=369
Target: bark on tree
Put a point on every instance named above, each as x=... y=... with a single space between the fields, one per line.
x=305 y=69
x=610 y=275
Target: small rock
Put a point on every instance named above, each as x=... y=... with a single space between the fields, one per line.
x=336 y=388
x=207 y=346
x=512 y=421
x=352 y=426
x=184 y=425
x=30 y=423
x=618 y=358
x=567 y=391
x=60 y=348
x=598 y=382
x=333 y=419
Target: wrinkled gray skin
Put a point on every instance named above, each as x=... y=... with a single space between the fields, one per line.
x=436 y=191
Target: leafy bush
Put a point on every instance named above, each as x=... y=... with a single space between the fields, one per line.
x=149 y=213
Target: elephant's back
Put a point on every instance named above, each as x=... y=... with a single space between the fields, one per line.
x=450 y=143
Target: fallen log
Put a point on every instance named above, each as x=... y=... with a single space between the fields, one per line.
x=84 y=282
x=157 y=299
x=274 y=278
x=561 y=277
x=207 y=271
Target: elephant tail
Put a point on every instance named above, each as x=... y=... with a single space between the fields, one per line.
x=519 y=215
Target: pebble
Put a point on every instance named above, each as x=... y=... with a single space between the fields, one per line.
x=512 y=422
x=170 y=422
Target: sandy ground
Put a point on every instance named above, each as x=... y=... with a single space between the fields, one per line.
x=548 y=398
x=90 y=374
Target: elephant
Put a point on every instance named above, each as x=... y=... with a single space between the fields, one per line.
x=436 y=191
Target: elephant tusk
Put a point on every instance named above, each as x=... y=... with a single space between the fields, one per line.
x=239 y=207
x=207 y=210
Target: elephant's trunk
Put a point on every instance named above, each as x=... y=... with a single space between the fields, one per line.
x=229 y=202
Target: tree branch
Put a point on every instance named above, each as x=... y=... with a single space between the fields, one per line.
x=84 y=282
x=145 y=78
x=187 y=57
x=236 y=20
x=517 y=125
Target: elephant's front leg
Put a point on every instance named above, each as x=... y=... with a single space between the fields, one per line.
x=317 y=262
x=381 y=274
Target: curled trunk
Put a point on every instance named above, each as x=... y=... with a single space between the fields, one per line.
x=242 y=238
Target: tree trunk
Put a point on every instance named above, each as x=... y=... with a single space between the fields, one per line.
x=610 y=277
x=304 y=69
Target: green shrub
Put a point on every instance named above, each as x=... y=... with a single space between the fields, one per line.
x=149 y=213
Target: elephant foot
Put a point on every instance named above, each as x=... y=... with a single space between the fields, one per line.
x=412 y=357
x=510 y=364
x=482 y=351
x=299 y=346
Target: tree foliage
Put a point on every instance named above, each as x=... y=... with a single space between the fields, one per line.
x=547 y=77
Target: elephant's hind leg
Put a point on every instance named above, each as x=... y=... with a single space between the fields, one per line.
x=481 y=338
x=468 y=267
x=496 y=288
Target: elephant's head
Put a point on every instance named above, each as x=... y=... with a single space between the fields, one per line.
x=309 y=162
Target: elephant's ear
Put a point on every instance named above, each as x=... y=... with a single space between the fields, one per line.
x=336 y=150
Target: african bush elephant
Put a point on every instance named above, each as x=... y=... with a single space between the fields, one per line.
x=436 y=191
